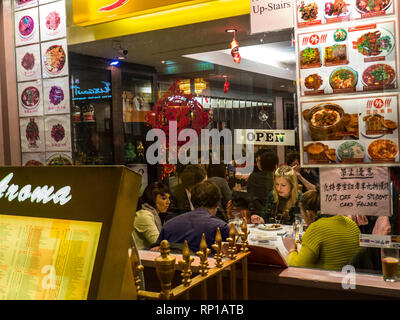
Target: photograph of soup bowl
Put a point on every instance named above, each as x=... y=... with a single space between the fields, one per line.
x=324 y=121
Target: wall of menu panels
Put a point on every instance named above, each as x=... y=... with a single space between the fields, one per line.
x=42 y=82
x=348 y=83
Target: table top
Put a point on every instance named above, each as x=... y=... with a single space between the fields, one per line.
x=264 y=235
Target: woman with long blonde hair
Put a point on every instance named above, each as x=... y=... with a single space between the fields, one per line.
x=283 y=201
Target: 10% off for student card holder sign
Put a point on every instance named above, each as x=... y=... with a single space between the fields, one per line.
x=356 y=191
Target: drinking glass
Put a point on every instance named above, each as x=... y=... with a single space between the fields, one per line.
x=390 y=263
x=237 y=219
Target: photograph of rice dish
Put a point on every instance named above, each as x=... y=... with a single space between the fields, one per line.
x=308 y=12
x=378 y=75
x=54 y=59
x=374 y=44
x=313 y=81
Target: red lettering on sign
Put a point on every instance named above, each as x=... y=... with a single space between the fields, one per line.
x=117 y=4
x=314 y=39
x=378 y=103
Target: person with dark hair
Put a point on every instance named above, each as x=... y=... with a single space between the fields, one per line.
x=260 y=183
x=309 y=178
x=191 y=225
x=191 y=175
x=241 y=202
x=147 y=225
x=328 y=243
x=217 y=174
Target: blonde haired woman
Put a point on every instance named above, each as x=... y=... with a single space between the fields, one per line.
x=283 y=200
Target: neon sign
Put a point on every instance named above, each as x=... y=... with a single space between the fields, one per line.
x=92 y=93
x=39 y=194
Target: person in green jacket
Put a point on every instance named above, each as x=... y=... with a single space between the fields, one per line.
x=328 y=243
x=147 y=225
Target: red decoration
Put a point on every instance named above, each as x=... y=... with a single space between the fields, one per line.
x=235 y=51
x=174 y=105
x=226 y=86
x=167 y=170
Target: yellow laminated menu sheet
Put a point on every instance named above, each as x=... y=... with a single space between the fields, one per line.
x=46 y=259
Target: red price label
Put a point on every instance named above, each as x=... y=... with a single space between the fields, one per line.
x=314 y=39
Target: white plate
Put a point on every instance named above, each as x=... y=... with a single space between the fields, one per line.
x=369 y=136
x=384 y=33
x=342 y=15
x=268 y=228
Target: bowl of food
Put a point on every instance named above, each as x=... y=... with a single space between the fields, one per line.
x=335 y=55
x=378 y=75
x=382 y=149
x=54 y=59
x=316 y=151
x=59 y=160
x=343 y=78
x=340 y=35
x=370 y=6
x=26 y=27
x=350 y=151
x=30 y=98
x=324 y=120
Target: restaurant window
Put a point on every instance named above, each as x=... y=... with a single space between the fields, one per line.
x=91 y=95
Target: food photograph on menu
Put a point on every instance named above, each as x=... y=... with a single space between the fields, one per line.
x=30 y=99
x=23 y=4
x=26 y=27
x=52 y=21
x=28 y=63
x=342 y=60
x=32 y=134
x=34 y=159
x=317 y=12
x=58 y=133
x=54 y=56
x=56 y=95
x=351 y=130
x=59 y=159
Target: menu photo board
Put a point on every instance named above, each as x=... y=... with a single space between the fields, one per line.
x=23 y=4
x=316 y=12
x=351 y=131
x=26 y=27
x=356 y=190
x=347 y=59
x=30 y=98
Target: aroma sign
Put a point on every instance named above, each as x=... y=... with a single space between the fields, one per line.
x=91 y=12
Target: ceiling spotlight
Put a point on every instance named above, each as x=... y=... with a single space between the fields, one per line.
x=231 y=30
x=122 y=52
x=114 y=63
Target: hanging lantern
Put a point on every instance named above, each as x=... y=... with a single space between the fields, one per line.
x=226 y=86
x=235 y=49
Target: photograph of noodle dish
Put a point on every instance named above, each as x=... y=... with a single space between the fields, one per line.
x=337 y=8
x=313 y=81
x=378 y=75
x=308 y=12
x=54 y=59
x=382 y=149
x=375 y=43
x=367 y=6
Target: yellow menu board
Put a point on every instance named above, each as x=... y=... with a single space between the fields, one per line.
x=46 y=259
